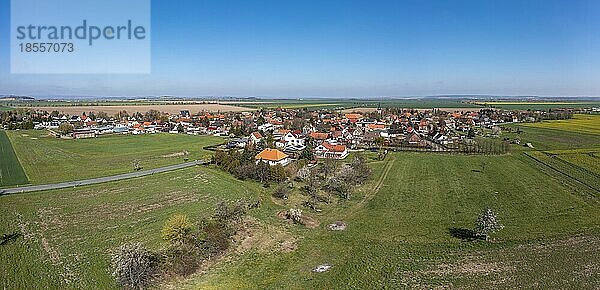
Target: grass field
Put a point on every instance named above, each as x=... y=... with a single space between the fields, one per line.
x=408 y=233
x=5 y=108
x=47 y=159
x=67 y=234
x=11 y=172
x=407 y=228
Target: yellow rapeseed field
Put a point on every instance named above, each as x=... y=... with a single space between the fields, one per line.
x=587 y=124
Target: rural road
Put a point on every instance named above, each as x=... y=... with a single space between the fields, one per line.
x=99 y=179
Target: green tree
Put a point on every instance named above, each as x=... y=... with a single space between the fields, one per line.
x=177 y=229
x=65 y=128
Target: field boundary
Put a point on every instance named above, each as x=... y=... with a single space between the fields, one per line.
x=554 y=169
x=6 y=144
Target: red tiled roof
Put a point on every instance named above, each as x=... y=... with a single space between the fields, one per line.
x=334 y=148
x=318 y=135
x=271 y=155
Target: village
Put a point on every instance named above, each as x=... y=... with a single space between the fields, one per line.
x=281 y=135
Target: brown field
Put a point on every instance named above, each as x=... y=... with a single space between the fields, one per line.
x=368 y=110
x=167 y=108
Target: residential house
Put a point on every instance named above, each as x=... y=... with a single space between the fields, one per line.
x=273 y=157
x=327 y=150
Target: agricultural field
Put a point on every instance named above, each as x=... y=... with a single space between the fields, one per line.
x=47 y=159
x=349 y=104
x=5 y=108
x=537 y=105
x=581 y=132
x=11 y=172
x=142 y=108
x=586 y=124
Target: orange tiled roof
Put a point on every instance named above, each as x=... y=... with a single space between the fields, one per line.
x=271 y=155
x=318 y=135
x=353 y=116
x=334 y=148
x=376 y=126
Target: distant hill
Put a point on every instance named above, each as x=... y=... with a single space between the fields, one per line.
x=16 y=98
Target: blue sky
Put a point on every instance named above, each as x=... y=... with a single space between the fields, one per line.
x=349 y=49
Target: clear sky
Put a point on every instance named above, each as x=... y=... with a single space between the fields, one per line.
x=350 y=49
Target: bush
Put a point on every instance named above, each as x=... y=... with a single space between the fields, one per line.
x=303 y=174
x=362 y=172
x=277 y=173
x=65 y=128
x=295 y=214
x=177 y=229
x=282 y=192
x=217 y=237
x=133 y=265
x=225 y=213
x=183 y=259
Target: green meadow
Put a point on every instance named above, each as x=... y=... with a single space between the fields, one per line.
x=11 y=172
x=47 y=159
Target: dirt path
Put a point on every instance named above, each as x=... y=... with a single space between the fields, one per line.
x=371 y=193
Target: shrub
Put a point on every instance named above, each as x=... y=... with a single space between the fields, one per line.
x=362 y=172
x=65 y=128
x=217 y=237
x=295 y=214
x=226 y=213
x=183 y=259
x=277 y=173
x=303 y=173
x=177 y=229
x=282 y=192
x=133 y=265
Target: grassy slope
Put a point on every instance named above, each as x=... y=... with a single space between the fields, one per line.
x=405 y=230
x=11 y=172
x=69 y=232
x=47 y=159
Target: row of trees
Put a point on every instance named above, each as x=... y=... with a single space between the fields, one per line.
x=188 y=245
x=485 y=146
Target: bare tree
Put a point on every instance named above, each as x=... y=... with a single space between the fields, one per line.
x=133 y=265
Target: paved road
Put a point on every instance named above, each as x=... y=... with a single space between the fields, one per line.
x=99 y=179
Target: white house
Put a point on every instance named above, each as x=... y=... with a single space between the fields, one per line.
x=273 y=157
x=328 y=150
